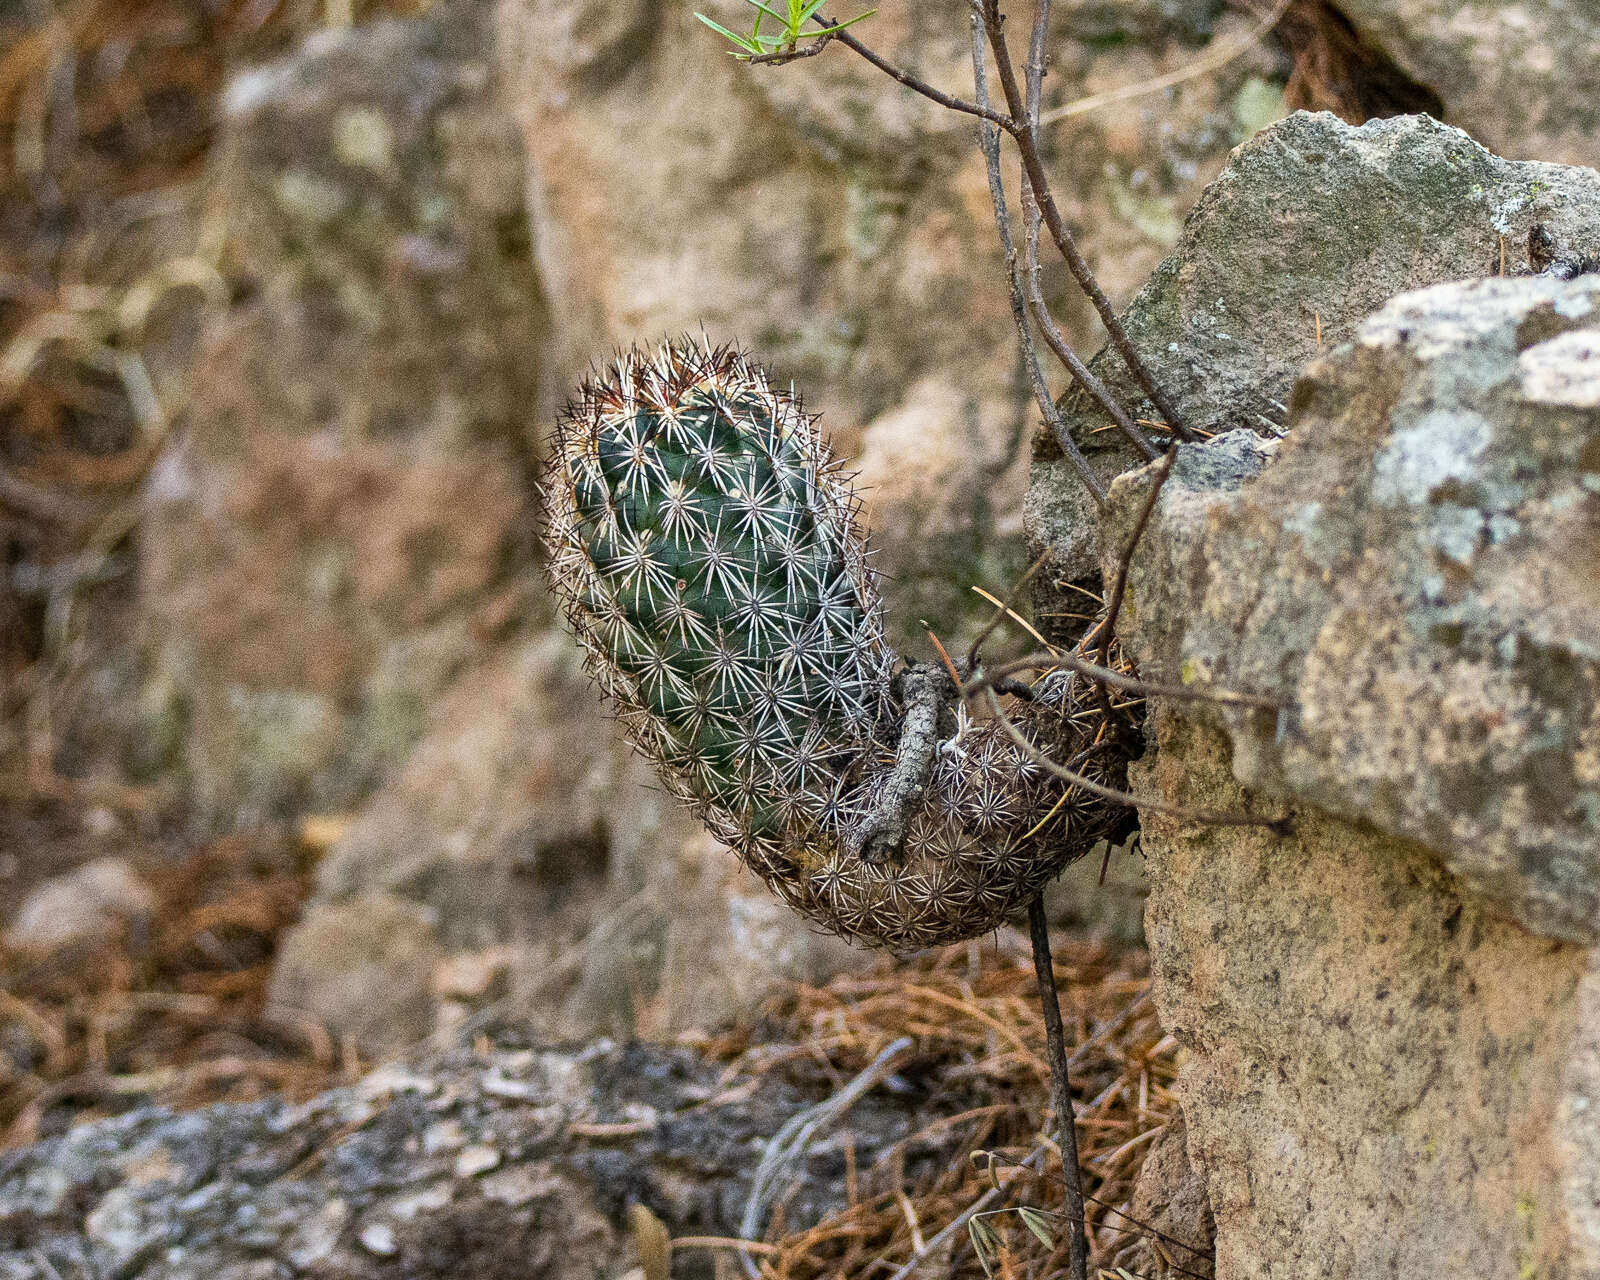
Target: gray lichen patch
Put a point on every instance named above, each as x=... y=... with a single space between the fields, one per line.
x=1416 y=571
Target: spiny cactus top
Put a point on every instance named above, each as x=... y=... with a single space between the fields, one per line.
x=708 y=555
x=705 y=547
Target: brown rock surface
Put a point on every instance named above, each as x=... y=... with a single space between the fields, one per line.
x=1385 y=1071
x=334 y=526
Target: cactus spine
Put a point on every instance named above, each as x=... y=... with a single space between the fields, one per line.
x=705 y=546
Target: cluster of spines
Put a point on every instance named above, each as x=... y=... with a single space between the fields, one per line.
x=704 y=542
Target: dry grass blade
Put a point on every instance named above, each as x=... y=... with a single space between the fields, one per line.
x=1211 y=60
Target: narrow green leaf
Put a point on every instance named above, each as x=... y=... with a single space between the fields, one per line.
x=723 y=31
x=983 y=1243
x=1035 y=1222
x=860 y=17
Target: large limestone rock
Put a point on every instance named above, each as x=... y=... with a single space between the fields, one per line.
x=342 y=520
x=1386 y=1075
x=1390 y=1012
x=1312 y=227
x=1414 y=571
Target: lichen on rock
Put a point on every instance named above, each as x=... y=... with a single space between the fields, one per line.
x=1413 y=570
x=1390 y=1011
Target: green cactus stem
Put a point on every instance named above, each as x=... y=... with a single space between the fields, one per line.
x=704 y=544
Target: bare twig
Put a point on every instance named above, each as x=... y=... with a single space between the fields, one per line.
x=928 y=691
x=898 y=74
x=1008 y=123
x=1060 y=1088
x=782 y=57
x=1119 y=584
x=1279 y=826
x=1057 y=341
x=1033 y=72
x=1117 y=680
x=989 y=144
x=1027 y=136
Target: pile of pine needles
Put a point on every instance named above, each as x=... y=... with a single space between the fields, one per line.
x=172 y=1008
x=971 y=1013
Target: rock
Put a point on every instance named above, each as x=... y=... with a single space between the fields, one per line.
x=1389 y=1012
x=365 y=969
x=1413 y=570
x=343 y=517
x=510 y=803
x=353 y=1185
x=537 y=867
x=1523 y=78
x=87 y=907
x=1170 y=1203
x=1312 y=227
x=1385 y=1071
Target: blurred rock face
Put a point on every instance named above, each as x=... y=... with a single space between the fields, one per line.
x=1522 y=78
x=345 y=517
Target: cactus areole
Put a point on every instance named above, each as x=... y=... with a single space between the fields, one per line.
x=705 y=546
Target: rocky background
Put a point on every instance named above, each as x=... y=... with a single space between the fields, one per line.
x=289 y=296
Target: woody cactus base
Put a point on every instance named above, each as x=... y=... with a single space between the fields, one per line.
x=706 y=548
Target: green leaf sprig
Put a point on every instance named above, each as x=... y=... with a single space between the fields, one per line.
x=759 y=44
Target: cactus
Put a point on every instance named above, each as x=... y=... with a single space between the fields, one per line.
x=705 y=546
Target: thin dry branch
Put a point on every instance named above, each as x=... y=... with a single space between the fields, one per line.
x=1210 y=817
x=1027 y=137
x=1056 y=340
x=989 y=144
x=1060 y=1089
x=1042 y=660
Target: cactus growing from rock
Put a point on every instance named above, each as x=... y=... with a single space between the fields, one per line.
x=706 y=548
